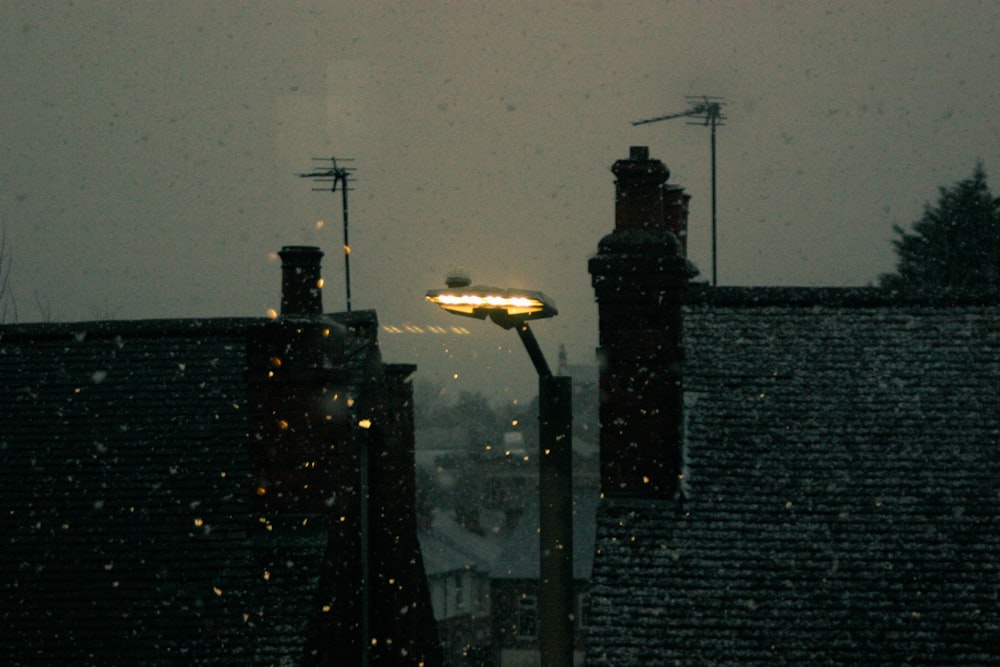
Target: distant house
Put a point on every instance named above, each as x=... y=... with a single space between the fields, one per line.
x=458 y=563
x=481 y=553
x=515 y=578
x=798 y=476
x=210 y=492
x=484 y=588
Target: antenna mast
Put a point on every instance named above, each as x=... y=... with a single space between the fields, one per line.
x=707 y=111
x=333 y=176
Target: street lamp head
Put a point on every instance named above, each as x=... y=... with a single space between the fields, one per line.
x=507 y=307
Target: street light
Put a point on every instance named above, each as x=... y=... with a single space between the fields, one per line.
x=512 y=309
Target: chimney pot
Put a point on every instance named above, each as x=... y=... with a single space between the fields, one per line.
x=301 y=282
x=639 y=189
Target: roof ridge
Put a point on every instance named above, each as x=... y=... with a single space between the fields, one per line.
x=102 y=329
x=858 y=297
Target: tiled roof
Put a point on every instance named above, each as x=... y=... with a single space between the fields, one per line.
x=128 y=533
x=840 y=492
x=449 y=547
x=124 y=468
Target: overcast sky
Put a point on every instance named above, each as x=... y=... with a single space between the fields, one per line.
x=150 y=149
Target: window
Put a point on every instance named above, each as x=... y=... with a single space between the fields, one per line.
x=527 y=617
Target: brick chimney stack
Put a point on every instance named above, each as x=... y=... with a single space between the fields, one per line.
x=297 y=378
x=640 y=279
x=301 y=281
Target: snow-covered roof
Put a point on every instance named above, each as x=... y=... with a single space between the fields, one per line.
x=840 y=504
x=450 y=547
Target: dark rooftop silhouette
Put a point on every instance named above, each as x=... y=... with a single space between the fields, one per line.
x=188 y=491
x=837 y=494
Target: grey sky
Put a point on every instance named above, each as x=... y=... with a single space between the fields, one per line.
x=150 y=149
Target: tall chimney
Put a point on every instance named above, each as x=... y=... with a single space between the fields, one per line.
x=301 y=282
x=640 y=281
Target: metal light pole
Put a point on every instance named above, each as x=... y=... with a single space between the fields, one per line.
x=555 y=508
x=512 y=309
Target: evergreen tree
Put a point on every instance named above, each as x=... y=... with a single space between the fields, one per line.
x=954 y=244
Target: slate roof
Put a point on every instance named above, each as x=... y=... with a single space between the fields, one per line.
x=840 y=492
x=124 y=465
x=128 y=527
x=449 y=547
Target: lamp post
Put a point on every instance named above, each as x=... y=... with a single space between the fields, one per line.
x=511 y=309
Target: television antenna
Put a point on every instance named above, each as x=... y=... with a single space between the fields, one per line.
x=334 y=175
x=706 y=111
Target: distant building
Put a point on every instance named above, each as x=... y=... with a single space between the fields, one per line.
x=193 y=491
x=789 y=476
x=481 y=549
x=459 y=563
x=515 y=579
